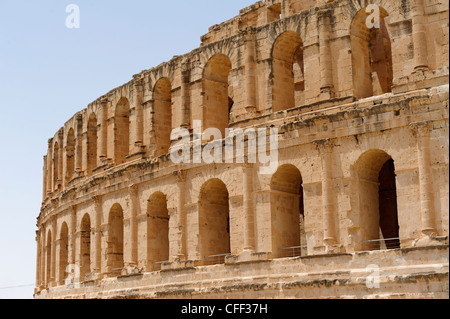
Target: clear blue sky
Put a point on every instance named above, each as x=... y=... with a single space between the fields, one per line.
x=49 y=72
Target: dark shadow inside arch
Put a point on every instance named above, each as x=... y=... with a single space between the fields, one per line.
x=162 y=95
x=287 y=213
x=158 y=230
x=288 y=70
x=216 y=87
x=115 y=242
x=379 y=223
x=214 y=222
x=63 y=252
x=85 y=253
x=387 y=194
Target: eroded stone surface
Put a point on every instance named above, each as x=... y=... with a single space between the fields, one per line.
x=363 y=156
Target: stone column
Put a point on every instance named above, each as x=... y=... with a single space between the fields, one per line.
x=250 y=67
x=43 y=259
x=79 y=145
x=104 y=229
x=49 y=166
x=73 y=230
x=103 y=136
x=150 y=134
x=57 y=261
x=185 y=96
x=136 y=138
x=61 y=161
x=77 y=269
x=419 y=35
x=38 y=258
x=325 y=150
x=97 y=235
x=249 y=230
x=45 y=271
x=53 y=253
x=110 y=127
x=133 y=191
x=326 y=67
x=44 y=186
x=137 y=100
x=422 y=132
x=84 y=150
x=181 y=217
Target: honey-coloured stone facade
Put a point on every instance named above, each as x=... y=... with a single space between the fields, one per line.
x=357 y=208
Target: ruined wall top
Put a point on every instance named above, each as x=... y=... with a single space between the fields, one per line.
x=259 y=14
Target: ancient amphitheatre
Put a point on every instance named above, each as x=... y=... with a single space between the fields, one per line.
x=357 y=207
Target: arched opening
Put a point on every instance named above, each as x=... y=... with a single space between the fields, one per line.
x=162 y=96
x=217 y=99
x=371 y=56
x=378 y=201
x=122 y=131
x=49 y=261
x=288 y=72
x=85 y=247
x=63 y=251
x=115 y=240
x=70 y=155
x=92 y=143
x=158 y=229
x=287 y=213
x=214 y=222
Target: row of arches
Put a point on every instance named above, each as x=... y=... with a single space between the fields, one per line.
x=69 y=153
x=377 y=198
x=64 y=258
x=372 y=66
x=372 y=70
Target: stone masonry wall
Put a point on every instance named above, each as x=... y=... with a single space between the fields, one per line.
x=354 y=107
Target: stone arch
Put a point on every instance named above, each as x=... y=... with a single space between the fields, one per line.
x=290 y=24
x=372 y=68
x=216 y=99
x=85 y=246
x=162 y=96
x=226 y=47
x=63 y=251
x=288 y=80
x=115 y=241
x=377 y=199
x=287 y=212
x=209 y=173
x=158 y=228
x=214 y=221
x=163 y=71
x=92 y=138
x=393 y=7
x=70 y=155
x=122 y=131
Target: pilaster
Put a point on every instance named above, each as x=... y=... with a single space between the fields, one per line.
x=325 y=148
x=422 y=133
x=326 y=67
